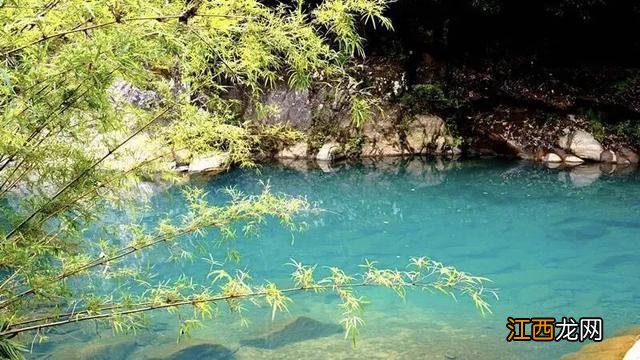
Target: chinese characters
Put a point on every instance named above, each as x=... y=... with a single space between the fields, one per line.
x=548 y=329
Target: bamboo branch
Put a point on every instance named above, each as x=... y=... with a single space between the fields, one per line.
x=65 y=105
x=113 y=22
x=85 y=172
x=123 y=252
x=149 y=306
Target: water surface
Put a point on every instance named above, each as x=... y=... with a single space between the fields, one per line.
x=555 y=242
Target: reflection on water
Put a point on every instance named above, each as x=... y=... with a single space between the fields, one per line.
x=557 y=242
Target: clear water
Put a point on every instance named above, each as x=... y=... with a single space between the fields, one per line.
x=555 y=242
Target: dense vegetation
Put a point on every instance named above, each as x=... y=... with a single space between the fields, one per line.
x=68 y=154
x=548 y=58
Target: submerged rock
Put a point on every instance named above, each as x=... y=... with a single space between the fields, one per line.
x=115 y=348
x=203 y=351
x=301 y=329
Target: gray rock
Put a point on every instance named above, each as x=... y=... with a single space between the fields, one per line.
x=573 y=160
x=291 y=107
x=608 y=156
x=552 y=158
x=440 y=142
x=124 y=91
x=182 y=157
x=424 y=131
x=329 y=152
x=584 y=145
x=296 y=151
x=631 y=155
x=382 y=146
x=209 y=163
x=621 y=160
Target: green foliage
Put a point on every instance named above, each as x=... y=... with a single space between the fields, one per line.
x=623 y=86
x=10 y=349
x=270 y=138
x=597 y=124
x=628 y=129
x=70 y=152
x=430 y=97
x=361 y=111
x=429 y=92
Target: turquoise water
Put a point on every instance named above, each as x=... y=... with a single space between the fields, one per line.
x=555 y=242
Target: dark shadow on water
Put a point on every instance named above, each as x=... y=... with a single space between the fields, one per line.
x=301 y=329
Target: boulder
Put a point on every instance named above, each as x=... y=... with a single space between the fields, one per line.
x=385 y=147
x=424 y=131
x=631 y=155
x=573 y=160
x=329 y=152
x=621 y=160
x=210 y=163
x=608 y=156
x=584 y=145
x=563 y=142
x=182 y=157
x=455 y=151
x=296 y=151
x=552 y=158
x=137 y=150
x=381 y=139
x=440 y=142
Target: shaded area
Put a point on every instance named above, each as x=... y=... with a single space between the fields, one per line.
x=301 y=329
